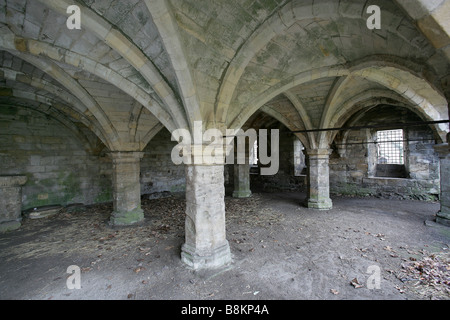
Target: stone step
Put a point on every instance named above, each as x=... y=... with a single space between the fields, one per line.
x=43 y=212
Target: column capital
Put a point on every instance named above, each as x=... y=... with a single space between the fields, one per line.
x=126 y=155
x=322 y=152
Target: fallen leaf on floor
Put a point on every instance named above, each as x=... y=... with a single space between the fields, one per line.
x=356 y=283
x=139 y=269
x=399 y=289
x=380 y=236
x=333 y=291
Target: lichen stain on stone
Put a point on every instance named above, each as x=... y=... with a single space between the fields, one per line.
x=21 y=44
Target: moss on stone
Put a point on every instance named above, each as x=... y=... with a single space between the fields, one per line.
x=127 y=218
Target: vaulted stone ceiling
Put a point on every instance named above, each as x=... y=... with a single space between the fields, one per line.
x=136 y=66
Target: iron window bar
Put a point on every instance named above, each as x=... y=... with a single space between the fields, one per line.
x=431 y=141
x=381 y=126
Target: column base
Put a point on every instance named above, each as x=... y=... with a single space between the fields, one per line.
x=443 y=218
x=215 y=258
x=127 y=218
x=322 y=204
x=242 y=194
x=9 y=226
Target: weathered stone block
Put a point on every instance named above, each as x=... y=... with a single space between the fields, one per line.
x=443 y=216
x=126 y=188
x=242 y=181
x=205 y=244
x=44 y=212
x=318 y=179
x=11 y=201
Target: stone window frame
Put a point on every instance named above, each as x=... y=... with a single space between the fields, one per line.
x=372 y=154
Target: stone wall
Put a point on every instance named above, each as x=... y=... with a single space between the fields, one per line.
x=159 y=175
x=290 y=176
x=58 y=166
x=353 y=167
x=61 y=170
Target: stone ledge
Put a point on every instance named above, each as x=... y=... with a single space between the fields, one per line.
x=12 y=181
x=43 y=212
x=401 y=182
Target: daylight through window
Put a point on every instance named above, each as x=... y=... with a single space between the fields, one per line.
x=390 y=146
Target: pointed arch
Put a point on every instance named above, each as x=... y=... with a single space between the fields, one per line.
x=168 y=30
x=131 y=53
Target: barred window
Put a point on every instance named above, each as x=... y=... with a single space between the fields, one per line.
x=390 y=147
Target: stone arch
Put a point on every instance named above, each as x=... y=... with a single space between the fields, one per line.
x=280 y=88
x=417 y=91
x=287 y=123
x=36 y=48
x=42 y=105
x=276 y=24
x=167 y=27
x=128 y=50
x=364 y=102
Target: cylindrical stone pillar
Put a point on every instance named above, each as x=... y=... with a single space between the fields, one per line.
x=318 y=179
x=206 y=245
x=126 y=188
x=11 y=202
x=443 y=216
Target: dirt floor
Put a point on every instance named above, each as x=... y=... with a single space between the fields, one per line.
x=281 y=250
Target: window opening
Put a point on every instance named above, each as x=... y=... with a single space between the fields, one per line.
x=390 y=147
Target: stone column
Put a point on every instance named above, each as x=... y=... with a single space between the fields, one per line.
x=318 y=179
x=443 y=216
x=242 y=171
x=206 y=245
x=126 y=188
x=242 y=180
x=11 y=202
